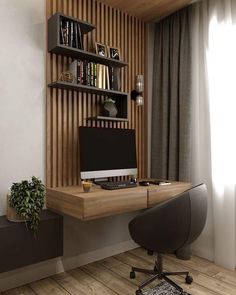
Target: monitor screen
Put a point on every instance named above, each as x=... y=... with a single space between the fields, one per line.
x=106 y=152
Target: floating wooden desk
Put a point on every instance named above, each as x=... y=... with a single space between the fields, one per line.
x=100 y=203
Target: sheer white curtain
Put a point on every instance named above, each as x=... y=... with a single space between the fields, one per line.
x=214 y=124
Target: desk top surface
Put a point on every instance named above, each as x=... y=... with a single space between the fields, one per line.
x=96 y=203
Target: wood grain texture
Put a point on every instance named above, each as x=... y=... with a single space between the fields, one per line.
x=98 y=203
x=148 y=10
x=67 y=110
x=161 y=193
x=110 y=276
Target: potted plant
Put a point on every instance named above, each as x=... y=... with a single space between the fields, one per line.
x=26 y=201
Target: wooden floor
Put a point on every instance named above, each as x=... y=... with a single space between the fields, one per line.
x=111 y=276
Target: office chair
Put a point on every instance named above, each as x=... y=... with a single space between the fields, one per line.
x=168 y=227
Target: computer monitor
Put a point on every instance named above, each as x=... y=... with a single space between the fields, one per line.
x=106 y=152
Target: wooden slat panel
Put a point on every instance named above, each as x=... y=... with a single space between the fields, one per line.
x=148 y=10
x=66 y=110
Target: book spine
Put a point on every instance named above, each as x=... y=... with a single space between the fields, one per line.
x=67 y=33
x=80 y=37
x=62 y=34
x=79 y=71
x=82 y=71
x=85 y=72
x=91 y=74
x=76 y=35
x=95 y=75
x=73 y=69
x=88 y=74
x=71 y=34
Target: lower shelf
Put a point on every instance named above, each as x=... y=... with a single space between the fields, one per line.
x=102 y=118
x=20 y=247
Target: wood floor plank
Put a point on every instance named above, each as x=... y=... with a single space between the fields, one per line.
x=48 y=287
x=24 y=290
x=110 y=276
x=110 y=279
x=78 y=282
x=207 y=282
x=123 y=270
x=227 y=277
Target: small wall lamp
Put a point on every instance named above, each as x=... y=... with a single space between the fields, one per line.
x=137 y=93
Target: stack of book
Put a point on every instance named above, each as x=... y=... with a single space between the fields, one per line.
x=70 y=33
x=85 y=72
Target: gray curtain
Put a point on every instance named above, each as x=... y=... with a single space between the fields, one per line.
x=170 y=149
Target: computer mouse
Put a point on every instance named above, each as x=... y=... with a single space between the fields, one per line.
x=144 y=183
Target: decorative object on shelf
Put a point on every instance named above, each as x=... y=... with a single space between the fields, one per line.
x=102 y=71
x=27 y=198
x=101 y=49
x=137 y=93
x=114 y=73
x=86 y=186
x=67 y=77
x=109 y=108
x=114 y=52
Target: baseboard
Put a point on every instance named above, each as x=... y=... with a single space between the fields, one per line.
x=204 y=253
x=22 y=276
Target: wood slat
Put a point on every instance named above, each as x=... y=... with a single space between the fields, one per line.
x=66 y=109
x=148 y=10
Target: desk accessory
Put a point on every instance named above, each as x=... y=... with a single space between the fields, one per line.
x=86 y=186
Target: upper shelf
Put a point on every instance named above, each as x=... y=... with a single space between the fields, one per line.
x=82 y=54
x=55 y=46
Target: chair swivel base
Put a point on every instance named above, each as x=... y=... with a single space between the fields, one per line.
x=157 y=273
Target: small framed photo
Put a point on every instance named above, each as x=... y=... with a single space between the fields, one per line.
x=101 y=49
x=114 y=53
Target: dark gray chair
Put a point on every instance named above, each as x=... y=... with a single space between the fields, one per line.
x=168 y=227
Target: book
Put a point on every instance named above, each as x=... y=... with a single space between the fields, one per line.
x=81 y=45
x=67 y=33
x=76 y=35
x=62 y=32
x=73 y=68
x=71 y=34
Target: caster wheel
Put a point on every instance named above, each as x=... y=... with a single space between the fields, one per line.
x=138 y=292
x=132 y=275
x=189 y=280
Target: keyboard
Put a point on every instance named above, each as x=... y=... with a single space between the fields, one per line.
x=111 y=185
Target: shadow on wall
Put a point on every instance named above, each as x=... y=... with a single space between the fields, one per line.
x=86 y=236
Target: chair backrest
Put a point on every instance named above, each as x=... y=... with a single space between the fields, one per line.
x=172 y=224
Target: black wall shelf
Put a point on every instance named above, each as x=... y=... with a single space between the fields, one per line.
x=85 y=88
x=20 y=247
x=101 y=118
x=86 y=55
x=55 y=46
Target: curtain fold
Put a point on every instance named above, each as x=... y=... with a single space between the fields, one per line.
x=214 y=157
x=170 y=148
x=193 y=114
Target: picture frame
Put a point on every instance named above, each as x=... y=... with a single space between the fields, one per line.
x=114 y=52
x=101 y=49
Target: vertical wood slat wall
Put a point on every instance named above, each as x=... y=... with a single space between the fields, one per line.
x=66 y=110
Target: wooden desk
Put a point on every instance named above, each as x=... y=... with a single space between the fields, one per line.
x=100 y=203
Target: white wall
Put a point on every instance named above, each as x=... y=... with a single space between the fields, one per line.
x=22 y=92
x=23 y=133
